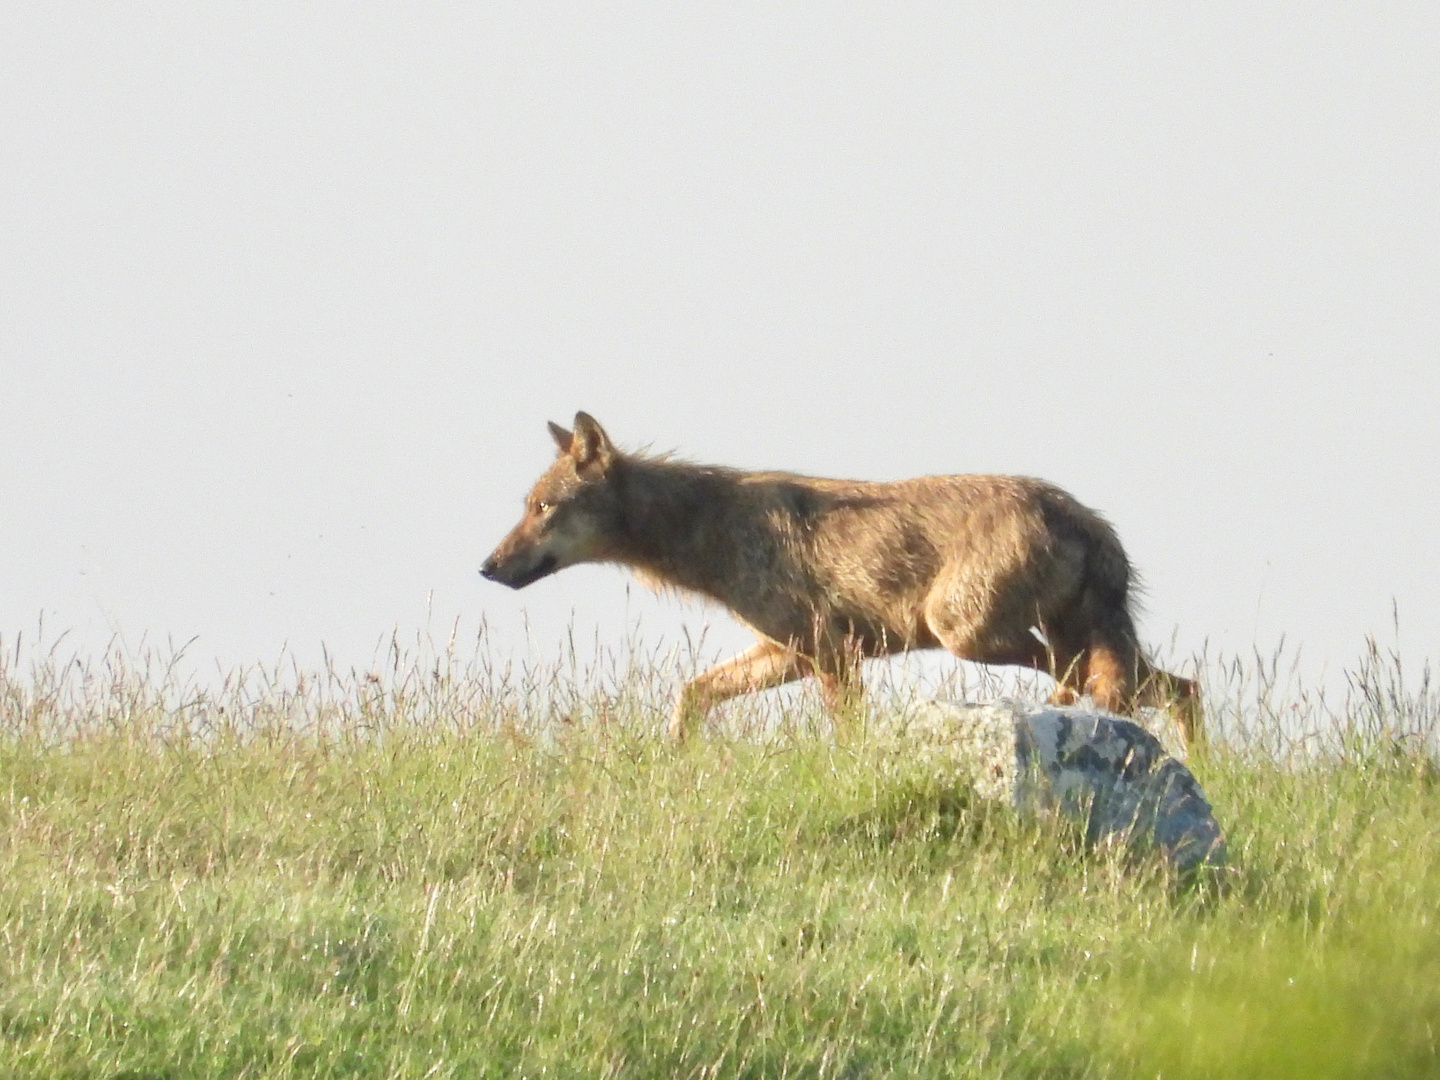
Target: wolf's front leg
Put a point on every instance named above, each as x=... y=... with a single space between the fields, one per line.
x=838 y=669
x=760 y=667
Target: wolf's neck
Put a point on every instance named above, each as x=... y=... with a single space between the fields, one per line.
x=682 y=523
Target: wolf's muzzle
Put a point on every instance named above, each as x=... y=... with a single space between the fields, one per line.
x=490 y=569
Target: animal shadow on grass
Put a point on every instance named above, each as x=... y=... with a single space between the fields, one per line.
x=932 y=814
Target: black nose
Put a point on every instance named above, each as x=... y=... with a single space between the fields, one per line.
x=487 y=569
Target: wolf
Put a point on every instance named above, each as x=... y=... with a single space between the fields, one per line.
x=996 y=569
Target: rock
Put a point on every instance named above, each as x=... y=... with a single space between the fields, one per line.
x=1108 y=773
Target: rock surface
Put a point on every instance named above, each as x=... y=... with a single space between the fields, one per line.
x=1108 y=773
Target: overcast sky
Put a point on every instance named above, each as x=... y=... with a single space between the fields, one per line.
x=288 y=292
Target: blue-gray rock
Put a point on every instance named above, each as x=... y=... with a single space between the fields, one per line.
x=1108 y=773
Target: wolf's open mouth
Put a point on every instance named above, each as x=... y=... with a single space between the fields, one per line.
x=543 y=568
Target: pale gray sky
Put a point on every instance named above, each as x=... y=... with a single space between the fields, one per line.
x=288 y=291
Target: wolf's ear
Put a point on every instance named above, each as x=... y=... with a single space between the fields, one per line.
x=561 y=436
x=590 y=446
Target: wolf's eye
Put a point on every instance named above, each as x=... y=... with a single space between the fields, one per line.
x=543 y=507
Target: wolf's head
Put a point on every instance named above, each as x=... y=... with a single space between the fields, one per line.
x=572 y=513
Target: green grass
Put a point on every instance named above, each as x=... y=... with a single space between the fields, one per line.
x=421 y=875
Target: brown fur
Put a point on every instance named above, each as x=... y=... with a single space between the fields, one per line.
x=829 y=572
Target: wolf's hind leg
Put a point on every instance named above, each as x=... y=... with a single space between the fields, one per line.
x=1176 y=695
x=1065 y=666
x=1107 y=677
x=760 y=667
x=1123 y=681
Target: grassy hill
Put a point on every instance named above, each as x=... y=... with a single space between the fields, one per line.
x=440 y=871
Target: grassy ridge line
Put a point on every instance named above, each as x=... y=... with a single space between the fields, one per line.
x=392 y=897
x=378 y=910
